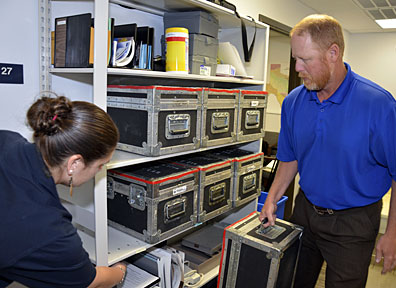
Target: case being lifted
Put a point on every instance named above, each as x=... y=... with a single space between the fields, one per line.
x=156 y=120
x=152 y=201
x=251 y=120
x=215 y=183
x=246 y=173
x=256 y=257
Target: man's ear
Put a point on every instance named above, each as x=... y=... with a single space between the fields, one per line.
x=333 y=52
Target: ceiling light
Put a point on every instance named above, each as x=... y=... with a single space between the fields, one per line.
x=386 y=23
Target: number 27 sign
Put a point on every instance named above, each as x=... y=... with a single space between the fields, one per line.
x=11 y=73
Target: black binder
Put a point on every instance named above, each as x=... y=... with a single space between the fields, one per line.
x=144 y=48
x=72 y=41
x=125 y=30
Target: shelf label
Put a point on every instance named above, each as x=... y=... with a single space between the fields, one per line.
x=11 y=73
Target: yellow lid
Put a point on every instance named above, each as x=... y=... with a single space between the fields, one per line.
x=176 y=29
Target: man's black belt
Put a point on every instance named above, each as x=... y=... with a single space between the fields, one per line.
x=327 y=211
x=320 y=210
x=323 y=211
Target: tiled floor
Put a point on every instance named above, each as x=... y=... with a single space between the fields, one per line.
x=375 y=279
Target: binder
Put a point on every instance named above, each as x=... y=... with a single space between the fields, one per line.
x=144 y=48
x=72 y=41
x=109 y=42
x=123 y=31
x=150 y=47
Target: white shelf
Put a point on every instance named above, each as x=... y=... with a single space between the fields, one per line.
x=111 y=245
x=157 y=74
x=227 y=18
x=123 y=158
x=121 y=245
x=207 y=277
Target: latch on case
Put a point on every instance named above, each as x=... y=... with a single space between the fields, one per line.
x=174 y=208
x=217 y=193
x=110 y=188
x=271 y=232
x=137 y=197
x=220 y=122
x=177 y=126
x=249 y=183
x=252 y=119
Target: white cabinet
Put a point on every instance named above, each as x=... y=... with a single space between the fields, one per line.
x=88 y=205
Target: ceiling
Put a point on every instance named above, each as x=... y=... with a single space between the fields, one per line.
x=356 y=16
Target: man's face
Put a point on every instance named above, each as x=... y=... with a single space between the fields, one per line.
x=311 y=63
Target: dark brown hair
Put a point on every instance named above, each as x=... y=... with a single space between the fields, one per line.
x=63 y=128
x=323 y=29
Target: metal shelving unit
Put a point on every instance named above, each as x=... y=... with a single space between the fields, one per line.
x=105 y=244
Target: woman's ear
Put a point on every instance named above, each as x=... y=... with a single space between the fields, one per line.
x=74 y=163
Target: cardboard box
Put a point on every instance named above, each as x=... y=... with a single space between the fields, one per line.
x=225 y=70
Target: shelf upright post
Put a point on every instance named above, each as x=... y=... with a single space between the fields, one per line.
x=44 y=18
x=99 y=98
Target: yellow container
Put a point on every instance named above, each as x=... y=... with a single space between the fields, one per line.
x=176 y=39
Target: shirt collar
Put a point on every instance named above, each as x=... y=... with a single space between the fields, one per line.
x=340 y=93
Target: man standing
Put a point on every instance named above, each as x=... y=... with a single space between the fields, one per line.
x=338 y=131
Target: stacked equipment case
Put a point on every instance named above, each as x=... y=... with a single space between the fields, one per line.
x=152 y=201
x=156 y=120
x=252 y=106
x=215 y=184
x=219 y=117
x=246 y=173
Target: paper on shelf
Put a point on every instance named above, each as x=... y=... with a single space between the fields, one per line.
x=164 y=267
x=138 y=278
x=125 y=51
x=228 y=54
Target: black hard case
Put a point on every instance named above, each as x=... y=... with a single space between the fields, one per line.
x=251 y=119
x=247 y=173
x=156 y=120
x=215 y=183
x=152 y=201
x=219 y=116
x=253 y=259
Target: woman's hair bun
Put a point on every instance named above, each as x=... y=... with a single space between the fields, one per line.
x=47 y=115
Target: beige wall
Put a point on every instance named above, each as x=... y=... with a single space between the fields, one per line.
x=288 y=12
x=372 y=55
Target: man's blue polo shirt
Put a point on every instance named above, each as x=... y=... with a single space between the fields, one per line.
x=345 y=146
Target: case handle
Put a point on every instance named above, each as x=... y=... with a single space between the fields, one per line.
x=217 y=193
x=175 y=208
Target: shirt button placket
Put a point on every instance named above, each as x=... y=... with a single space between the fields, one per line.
x=319 y=125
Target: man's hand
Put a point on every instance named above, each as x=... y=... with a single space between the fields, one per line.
x=268 y=211
x=386 y=248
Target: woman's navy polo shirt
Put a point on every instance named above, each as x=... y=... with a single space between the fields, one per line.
x=39 y=245
x=345 y=146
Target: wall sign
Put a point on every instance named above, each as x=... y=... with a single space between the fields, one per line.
x=11 y=73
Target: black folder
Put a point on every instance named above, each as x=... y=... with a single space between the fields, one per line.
x=125 y=30
x=144 y=48
x=72 y=41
